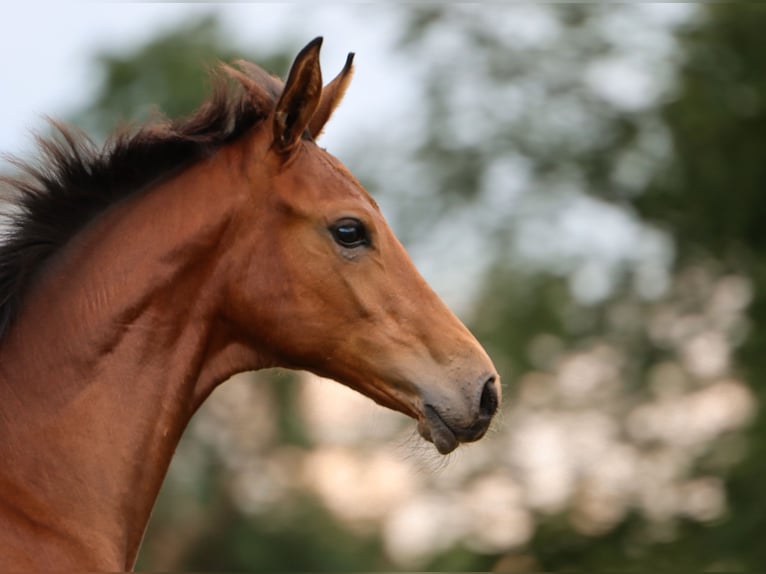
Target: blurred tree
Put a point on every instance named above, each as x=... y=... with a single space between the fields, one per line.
x=687 y=163
x=709 y=197
x=712 y=198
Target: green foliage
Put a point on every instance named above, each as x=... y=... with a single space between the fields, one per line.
x=713 y=199
x=712 y=196
x=309 y=541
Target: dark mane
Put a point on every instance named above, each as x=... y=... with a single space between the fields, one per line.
x=73 y=180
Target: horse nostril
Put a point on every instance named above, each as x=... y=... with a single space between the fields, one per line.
x=488 y=402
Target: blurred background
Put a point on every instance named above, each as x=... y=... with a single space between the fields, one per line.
x=584 y=184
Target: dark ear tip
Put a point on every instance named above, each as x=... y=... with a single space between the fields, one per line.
x=311 y=49
x=349 y=60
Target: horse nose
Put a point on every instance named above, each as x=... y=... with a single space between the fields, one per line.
x=489 y=400
x=447 y=427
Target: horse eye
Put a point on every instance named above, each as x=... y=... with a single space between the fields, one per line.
x=350 y=233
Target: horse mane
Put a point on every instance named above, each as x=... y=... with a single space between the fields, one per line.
x=74 y=180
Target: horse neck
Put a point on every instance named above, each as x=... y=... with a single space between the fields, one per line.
x=117 y=345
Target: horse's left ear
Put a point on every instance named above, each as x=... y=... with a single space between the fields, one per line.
x=331 y=97
x=300 y=97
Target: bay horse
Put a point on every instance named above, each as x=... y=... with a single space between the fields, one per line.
x=137 y=276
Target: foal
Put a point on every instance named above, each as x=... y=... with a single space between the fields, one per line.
x=138 y=277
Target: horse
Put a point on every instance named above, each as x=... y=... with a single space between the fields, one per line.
x=138 y=275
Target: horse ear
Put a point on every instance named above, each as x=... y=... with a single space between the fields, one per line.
x=332 y=94
x=300 y=98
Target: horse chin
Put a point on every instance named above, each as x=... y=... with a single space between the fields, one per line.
x=432 y=428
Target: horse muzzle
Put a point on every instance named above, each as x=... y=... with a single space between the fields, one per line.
x=444 y=426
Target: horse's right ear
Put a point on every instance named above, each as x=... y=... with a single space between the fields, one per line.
x=300 y=98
